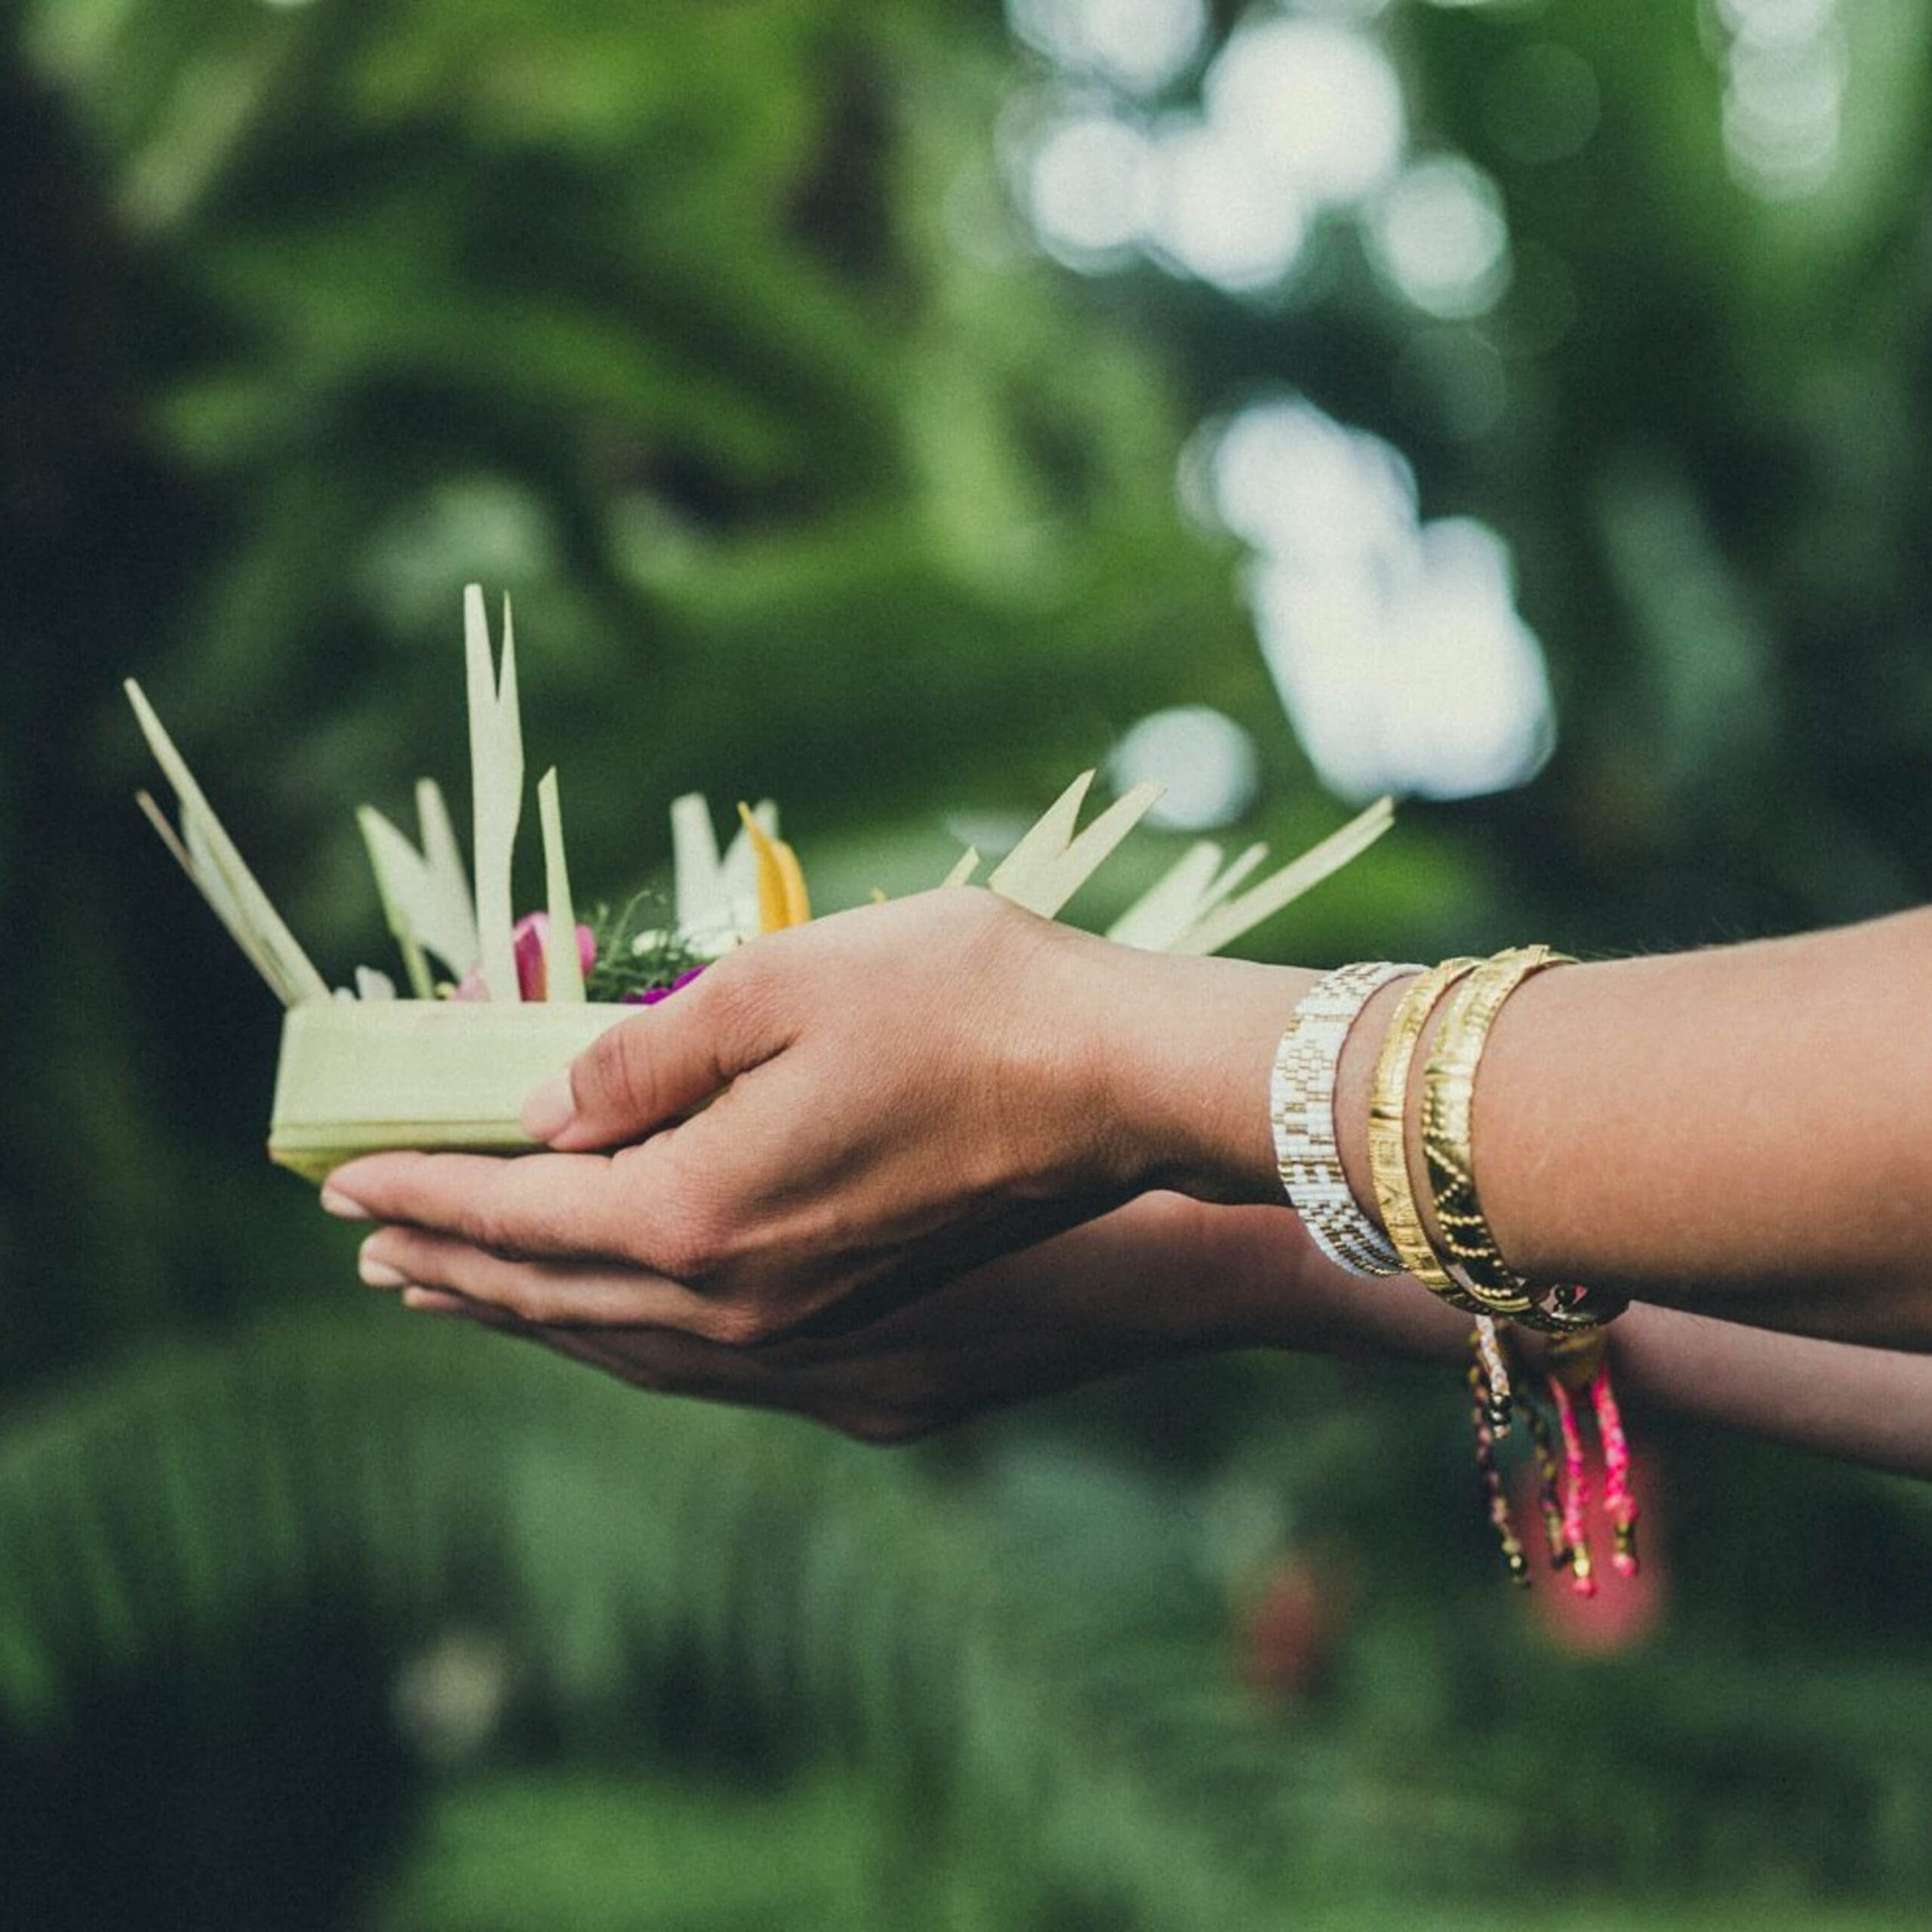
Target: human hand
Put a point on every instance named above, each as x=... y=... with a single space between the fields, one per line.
x=1149 y=1281
x=895 y=1096
x=1163 y=1277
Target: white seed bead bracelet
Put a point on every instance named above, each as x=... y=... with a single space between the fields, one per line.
x=1302 y=1106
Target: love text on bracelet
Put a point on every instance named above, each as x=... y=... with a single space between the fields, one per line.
x=1302 y=1109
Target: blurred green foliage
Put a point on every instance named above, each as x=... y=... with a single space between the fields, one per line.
x=707 y=331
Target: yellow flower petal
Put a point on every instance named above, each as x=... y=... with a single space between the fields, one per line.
x=781 y=898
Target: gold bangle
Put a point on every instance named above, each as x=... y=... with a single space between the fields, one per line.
x=1388 y=1149
x=1467 y=1249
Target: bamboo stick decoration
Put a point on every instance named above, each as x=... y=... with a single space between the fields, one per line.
x=1050 y=865
x=425 y=893
x=781 y=898
x=702 y=904
x=741 y=870
x=1189 y=910
x=1193 y=885
x=563 y=967
x=381 y=838
x=1225 y=923
x=210 y=858
x=716 y=899
x=496 y=768
x=169 y=836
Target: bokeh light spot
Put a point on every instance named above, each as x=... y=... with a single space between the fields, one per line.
x=1286 y=477
x=1084 y=187
x=1785 y=77
x=1216 y=210
x=1396 y=645
x=1439 y=236
x=1205 y=759
x=1317 y=99
x=1140 y=46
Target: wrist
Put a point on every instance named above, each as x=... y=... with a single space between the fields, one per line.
x=1279 y=1293
x=1188 y=1064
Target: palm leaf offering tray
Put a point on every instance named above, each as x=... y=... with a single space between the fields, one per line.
x=448 y=1063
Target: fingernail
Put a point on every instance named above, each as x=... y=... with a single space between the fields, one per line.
x=379 y=1274
x=335 y=1202
x=432 y=1301
x=550 y=1110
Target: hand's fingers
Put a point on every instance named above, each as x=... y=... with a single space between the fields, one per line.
x=440 y=1301
x=537 y=1203
x=572 y=1343
x=835 y=1389
x=665 y=1362
x=550 y=1292
x=648 y=1072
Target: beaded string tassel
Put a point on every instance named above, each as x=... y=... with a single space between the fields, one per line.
x=1563 y=1486
x=1496 y=1498
x=1580 y=1364
x=1486 y=1345
x=1550 y=1492
x=1575 y=1491
x=1619 y=1504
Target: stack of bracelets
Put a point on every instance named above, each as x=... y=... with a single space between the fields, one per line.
x=1460 y=1261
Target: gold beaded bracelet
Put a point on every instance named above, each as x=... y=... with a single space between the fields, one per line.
x=1467 y=1250
x=1388 y=1173
x=1388 y=1147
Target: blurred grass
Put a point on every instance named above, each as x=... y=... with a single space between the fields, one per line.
x=600 y=1853
x=606 y=1854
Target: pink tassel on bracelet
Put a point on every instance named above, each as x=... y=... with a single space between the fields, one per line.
x=1576 y=1363
x=1619 y=1503
x=1579 y=1363
x=1575 y=1491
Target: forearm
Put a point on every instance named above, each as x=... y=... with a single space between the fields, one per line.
x=1867 y=1405
x=1746 y=1131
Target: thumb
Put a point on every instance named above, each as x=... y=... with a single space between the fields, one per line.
x=648 y=1071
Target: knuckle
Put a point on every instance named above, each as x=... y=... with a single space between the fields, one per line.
x=689 y=1244
x=619 y=1076
x=488 y=1225
x=676 y=1251
x=740 y=978
x=743 y=992
x=514 y=1233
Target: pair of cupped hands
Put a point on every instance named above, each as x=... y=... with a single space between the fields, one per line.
x=883 y=1170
